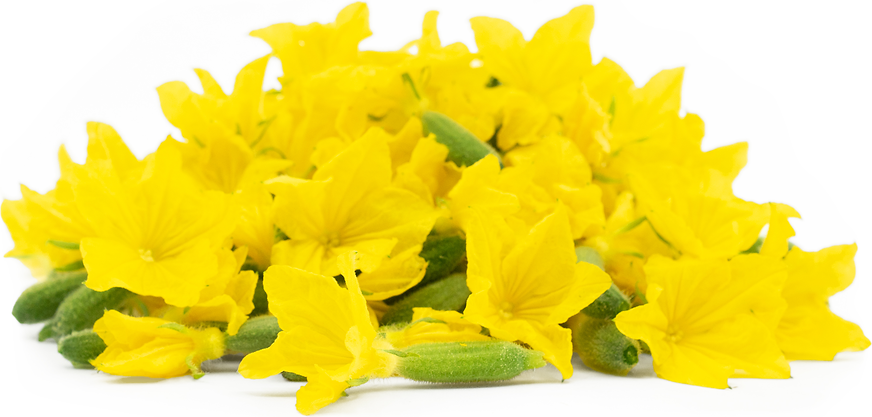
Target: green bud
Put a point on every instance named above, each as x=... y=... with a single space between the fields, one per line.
x=261 y=306
x=83 y=307
x=80 y=348
x=601 y=346
x=290 y=376
x=447 y=294
x=608 y=304
x=464 y=149
x=473 y=361
x=257 y=333
x=590 y=255
x=41 y=300
x=442 y=254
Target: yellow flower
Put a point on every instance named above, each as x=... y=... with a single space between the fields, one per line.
x=226 y=164
x=227 y=297
x=310 y=49
x=326 y=334
x=523 y=292
x=481 y=188
x=47 y=228
x=780 y=231
x=626 y=243
x=710 y=320
x=427 y=173
x=155 y=233
x=698 y=224
x=349 y=205
x=645 y=133
x=587 y=124
x=255 y=228
x=430 y=325
x=223 y=131
x=154 y=348
x=559 y=172
x=542 y=76
x=809 y=330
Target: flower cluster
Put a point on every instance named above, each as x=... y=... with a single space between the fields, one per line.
x=432 y=213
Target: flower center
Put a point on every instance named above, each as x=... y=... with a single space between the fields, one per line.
x=330 y=239
x=146 y=255
x=673 y=333
x=506 y=309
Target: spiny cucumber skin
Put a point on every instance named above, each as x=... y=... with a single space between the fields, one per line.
x=464 y=362
x=443 y=254
x=464 y=149
x=446 y=294
x=40 y=301
x=80 y=348
x=84 y=307
x=608 y=304
x=257 y=333
x=602 y=347
x=290 y=376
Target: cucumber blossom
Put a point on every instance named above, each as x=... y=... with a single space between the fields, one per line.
x=40 y=301
x=83 y=308
x=257 y=333
x=464 y=149
x=472 y=361
x=80 y=348
x=447 y=294
x=601 y=346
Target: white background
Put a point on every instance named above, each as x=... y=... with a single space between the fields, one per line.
x=791 y=78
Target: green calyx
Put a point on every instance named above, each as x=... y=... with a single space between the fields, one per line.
x=40 y=301
x=290 y=376
x=80 y=348
x=257 y=333
x=443 y=254
x=601 y=346
x=464 y=362
x=449 y=293
x=81 y=309
x=464 y=149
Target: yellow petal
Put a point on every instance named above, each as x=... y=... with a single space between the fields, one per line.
x=320 y=390
x=779 y=230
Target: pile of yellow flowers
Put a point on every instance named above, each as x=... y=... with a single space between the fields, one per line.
x=429 y=213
